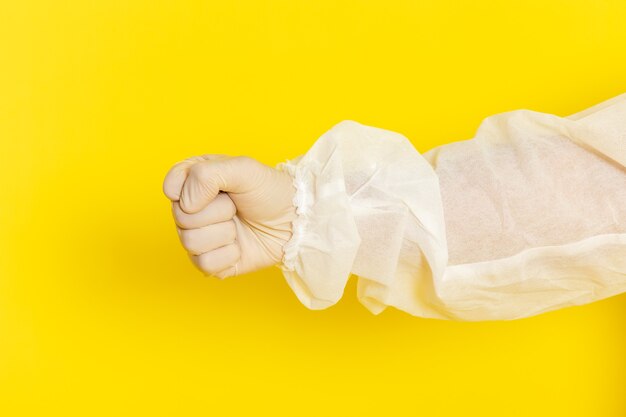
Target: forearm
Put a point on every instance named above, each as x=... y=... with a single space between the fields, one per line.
x=527 y=217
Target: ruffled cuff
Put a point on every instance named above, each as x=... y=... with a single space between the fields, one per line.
x=319 y=256
x=303 y=201
x=367 y=203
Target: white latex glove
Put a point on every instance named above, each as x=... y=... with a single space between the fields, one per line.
x=233 y=214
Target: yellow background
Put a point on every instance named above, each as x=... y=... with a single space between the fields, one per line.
x=102 y=314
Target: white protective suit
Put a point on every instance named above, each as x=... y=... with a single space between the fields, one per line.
x=526 y=217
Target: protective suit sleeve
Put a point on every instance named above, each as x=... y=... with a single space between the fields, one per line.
x=526 y=217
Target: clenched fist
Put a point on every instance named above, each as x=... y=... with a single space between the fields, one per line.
x=233 y=214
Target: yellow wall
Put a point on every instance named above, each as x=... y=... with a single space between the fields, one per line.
x=102 y=314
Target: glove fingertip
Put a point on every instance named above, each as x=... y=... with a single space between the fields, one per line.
x=173 y=183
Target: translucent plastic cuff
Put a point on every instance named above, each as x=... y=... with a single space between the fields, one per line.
x=318 y=257
x=368 y=203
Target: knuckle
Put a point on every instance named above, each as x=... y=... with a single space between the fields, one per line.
x=199 y=169
x=182 y=220
x=189 y=241
x=178 y=214
x=207 y=262
x=245 y=161
x=204 y=265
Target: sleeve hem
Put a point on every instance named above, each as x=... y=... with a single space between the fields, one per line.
x=303 y=200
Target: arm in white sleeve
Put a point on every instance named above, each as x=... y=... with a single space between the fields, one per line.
x=526 y=217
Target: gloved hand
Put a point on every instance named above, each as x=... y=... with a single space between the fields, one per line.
x=233 y=214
